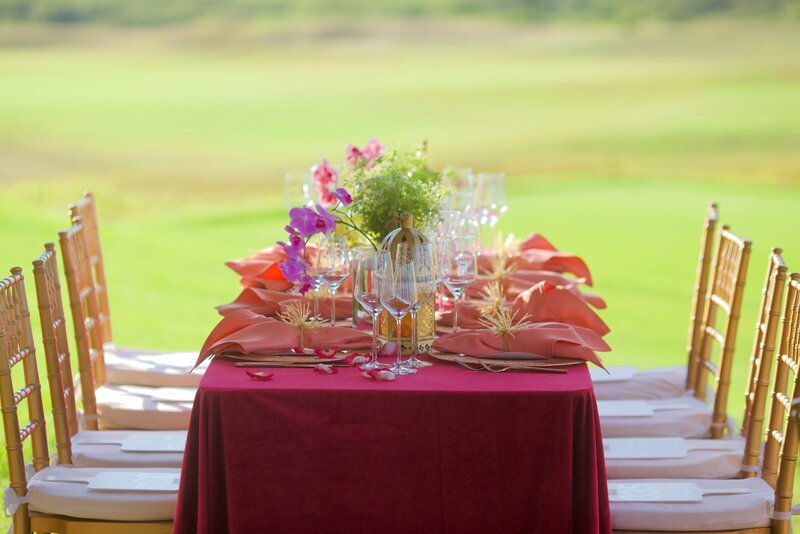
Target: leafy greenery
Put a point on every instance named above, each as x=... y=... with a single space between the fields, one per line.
x=399 y=183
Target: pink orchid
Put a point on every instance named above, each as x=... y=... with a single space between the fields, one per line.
x=373 y=149
x=324 y=174
x=343 y=196
x=326 y=197
x=325 y=369
x=352 y=155
x=261 y=376
x=379 y=375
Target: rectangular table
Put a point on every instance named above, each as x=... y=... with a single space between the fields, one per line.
x=445 y=450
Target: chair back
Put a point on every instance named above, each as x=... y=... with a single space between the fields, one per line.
x=725 y=295
x=780 y=447
x=56 y=351
x=16 y=346
x=695 y=341
x=85 y=211
x=85 y=311
x=760 y=369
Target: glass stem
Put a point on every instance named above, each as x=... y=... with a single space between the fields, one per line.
x=333 y=305
x=374 y=358
x=316 y=300
x=455 y=312
x=413 y=336
x=399 y=358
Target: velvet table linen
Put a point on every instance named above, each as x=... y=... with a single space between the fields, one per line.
x=445 y=450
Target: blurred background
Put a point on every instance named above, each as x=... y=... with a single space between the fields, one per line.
x=616 y=120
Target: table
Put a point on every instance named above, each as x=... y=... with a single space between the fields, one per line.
x=445 y=450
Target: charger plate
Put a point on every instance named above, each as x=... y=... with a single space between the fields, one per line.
x=495 y=362
x=283 y=358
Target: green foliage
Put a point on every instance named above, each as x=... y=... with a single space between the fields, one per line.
x=400 y=182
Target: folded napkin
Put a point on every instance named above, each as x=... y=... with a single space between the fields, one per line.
x=536 y=241
x=544 y=303
x=268 y=302
x=247 y=332
x=519 y=281
x=544 y=339
x=261 y=269
x=537 y=253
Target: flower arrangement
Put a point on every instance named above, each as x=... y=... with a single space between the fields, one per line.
x=385 y=185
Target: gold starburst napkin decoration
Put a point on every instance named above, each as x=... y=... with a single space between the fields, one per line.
x=298 y=315
x=499 y=268
x=493 y=297
x=503 y=322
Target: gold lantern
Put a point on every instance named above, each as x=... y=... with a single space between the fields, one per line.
x=426 y=321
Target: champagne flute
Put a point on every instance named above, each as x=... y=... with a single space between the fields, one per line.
x=490 y=199
x=334 y=258
x=366 y=290
x=298 y=189
x=397 y=293
x=459 y=268
x=425 y=274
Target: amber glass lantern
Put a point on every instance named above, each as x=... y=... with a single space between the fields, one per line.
x=426 y=321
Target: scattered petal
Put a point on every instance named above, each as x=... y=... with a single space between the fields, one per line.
x=262 y=376
x=356 y=358
x=379 y=375
x=325 y=369
x=325 y=353
x=389 y=349
x=299 y=350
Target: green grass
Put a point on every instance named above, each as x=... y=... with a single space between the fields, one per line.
x=614 y=143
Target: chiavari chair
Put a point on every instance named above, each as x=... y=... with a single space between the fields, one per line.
x=690 y=416
x=715 y=458
x=111 y=406
x=126 y=365
x=755 y=505
x=84 y=448
x=45 y=498
x=667 y=382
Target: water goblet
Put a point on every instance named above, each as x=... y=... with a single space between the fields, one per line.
x=458 y=268
x=398 y=292
x=334 y=259
x=366 y=290
x=425 y=273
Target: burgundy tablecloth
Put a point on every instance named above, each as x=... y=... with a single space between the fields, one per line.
x=445 y=450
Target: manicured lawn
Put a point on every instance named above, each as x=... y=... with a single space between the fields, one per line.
x=614 y=141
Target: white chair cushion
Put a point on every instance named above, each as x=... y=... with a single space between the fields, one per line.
x=134 y=407
x=693 y=421
x=658 y=383
x=74 y=499
x=151 y=368
x=698 y=464
x=104 y=449
x=715 y=513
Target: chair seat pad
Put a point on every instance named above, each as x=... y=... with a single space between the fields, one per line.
x=714 y=513
x=658 y=383
x=134 y=407
x=693 y=421
x=74 y=499
x=144 y=367
x=698 y=464
x=104 y=449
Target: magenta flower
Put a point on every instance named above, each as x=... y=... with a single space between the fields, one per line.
x=327 y=222
x=352 y=154
x=305 y=283
x=326 y=197
x=343 y=196
x=305 y=220
x=373 y=149
x=293 y=269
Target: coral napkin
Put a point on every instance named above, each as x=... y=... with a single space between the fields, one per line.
x=545 y=339
x=521 y=280
x=268 y=302
x=261 y=269
x=544 y=302
x=246 y=332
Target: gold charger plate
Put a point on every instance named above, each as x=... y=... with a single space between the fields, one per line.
x=547 y=362
x=282 y=358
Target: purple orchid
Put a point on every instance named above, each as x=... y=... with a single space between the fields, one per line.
x=327 y=221
x=293 y=269
x=343 y=196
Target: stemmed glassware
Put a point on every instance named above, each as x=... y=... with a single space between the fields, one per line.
x=366 y=290
x=425 y=274
x=334 y=261
x=490 y=199
x=398 y=293
x=298 y=189
x=316 y=269
x=458 y=268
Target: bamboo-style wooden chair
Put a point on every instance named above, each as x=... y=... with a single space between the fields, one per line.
x=766 y=507
x=715 y=458
x=690 y=416
x=44 y=498
x=667 y=382
x=127 y=365
x=83 y=448
x=111 y=406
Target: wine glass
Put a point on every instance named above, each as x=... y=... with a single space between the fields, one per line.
x=334 y=259
x=458 y=268
x=298 y=189
x=461 y=186
x=398 y=292
x=316 y=269
x=366 y=290
x=425 y=274
x=490 y=198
